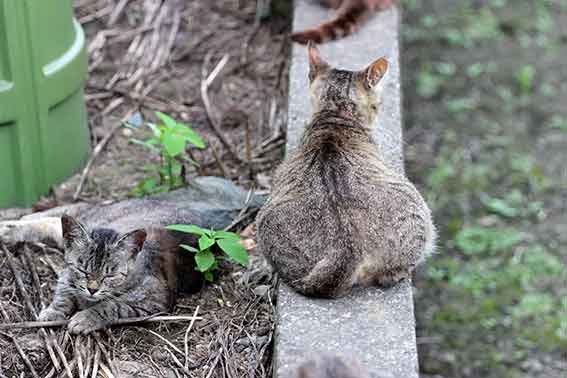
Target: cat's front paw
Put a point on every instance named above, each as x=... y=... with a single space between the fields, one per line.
x=85 y=321
x=50 y=314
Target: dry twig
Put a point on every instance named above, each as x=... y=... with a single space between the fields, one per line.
x=186 y=337
x=28 y=303
x=118 y=322
x=97 y=150
x=206 y=81
x=22 y=354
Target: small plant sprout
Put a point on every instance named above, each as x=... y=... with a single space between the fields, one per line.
x=525 y=78
x=206 y=259
x=170 y=139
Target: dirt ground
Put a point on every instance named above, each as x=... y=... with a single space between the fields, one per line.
x=486 y=142
x=147 y=56
x=153 y=56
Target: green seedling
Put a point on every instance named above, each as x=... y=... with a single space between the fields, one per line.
x=169 y=140
x=206 y=256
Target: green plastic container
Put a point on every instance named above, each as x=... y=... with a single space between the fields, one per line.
x=44 y=135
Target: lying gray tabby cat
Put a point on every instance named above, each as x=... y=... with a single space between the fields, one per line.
x=108 y=276
x=119 y=260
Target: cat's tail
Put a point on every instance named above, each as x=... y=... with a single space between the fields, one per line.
x=350 y=19
x=331 y=277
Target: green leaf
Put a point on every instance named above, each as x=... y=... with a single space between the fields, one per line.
x=173 y=144
x=473 y=240
x=189 y=135
x=188 y=228
x=500 y=207
x=525 y=78
x=209 y=276
x=205 y=242
x=155 y=129
x=142 y=143
x=533 y=304
x=205 y=260
x=148 y=185
x=189 y=248
x=226 y=235
x=505 y=239
x=167 y=120
x=234 y=250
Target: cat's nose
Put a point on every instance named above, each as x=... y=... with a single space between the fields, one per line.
x=92 y=290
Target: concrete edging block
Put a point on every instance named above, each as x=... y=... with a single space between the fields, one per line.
x=375 y=325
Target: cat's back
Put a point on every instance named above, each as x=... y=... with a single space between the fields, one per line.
x=343 y=185
x=328 y=199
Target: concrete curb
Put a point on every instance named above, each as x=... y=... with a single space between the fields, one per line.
x=376 y=326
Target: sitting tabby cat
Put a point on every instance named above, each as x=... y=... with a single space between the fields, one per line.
x=108 y=276
x=338 y=215
x=351 y=14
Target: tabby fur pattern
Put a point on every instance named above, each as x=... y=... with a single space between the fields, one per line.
x=338 y=215
x=351 y=14
x=109 y=276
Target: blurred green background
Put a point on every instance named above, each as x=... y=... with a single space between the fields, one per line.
x=485 y=107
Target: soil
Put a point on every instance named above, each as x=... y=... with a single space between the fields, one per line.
x=485 y=132
x=133 y=73
x=153 y=56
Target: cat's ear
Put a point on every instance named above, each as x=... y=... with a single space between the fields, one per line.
x=132 y=242
x=375 y=72
x=316 y=64
x=74 y=233
x=305 y=371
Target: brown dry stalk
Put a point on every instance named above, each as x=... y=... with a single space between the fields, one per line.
x=20 y=285
x=97 y=150
x=22 y=354
x=206 y=81
x=118 y=322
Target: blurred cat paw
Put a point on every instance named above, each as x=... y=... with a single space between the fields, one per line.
x=11 y=232
x=50 y=314
x=84 y=322
x=40 y=230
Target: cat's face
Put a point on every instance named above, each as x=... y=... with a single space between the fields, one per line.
x=100 y=260
x=350 y=94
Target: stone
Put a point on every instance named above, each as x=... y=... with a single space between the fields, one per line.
x=374 y=325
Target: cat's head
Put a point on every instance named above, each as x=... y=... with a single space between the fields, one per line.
x=350 y=94
x=331 y=366
x=98 y=260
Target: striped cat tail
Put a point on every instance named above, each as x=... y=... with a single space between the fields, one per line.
x=351 y=15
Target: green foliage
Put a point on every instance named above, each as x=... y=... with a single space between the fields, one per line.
x=558 y=122
x=490 y=167
x=169 y=140
x=478 y=240
x=206 y=256
x=525 y=78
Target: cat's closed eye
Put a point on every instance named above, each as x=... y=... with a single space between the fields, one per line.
x=81 y=270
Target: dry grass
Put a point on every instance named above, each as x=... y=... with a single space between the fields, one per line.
x=233 y=338
x=147 y=55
